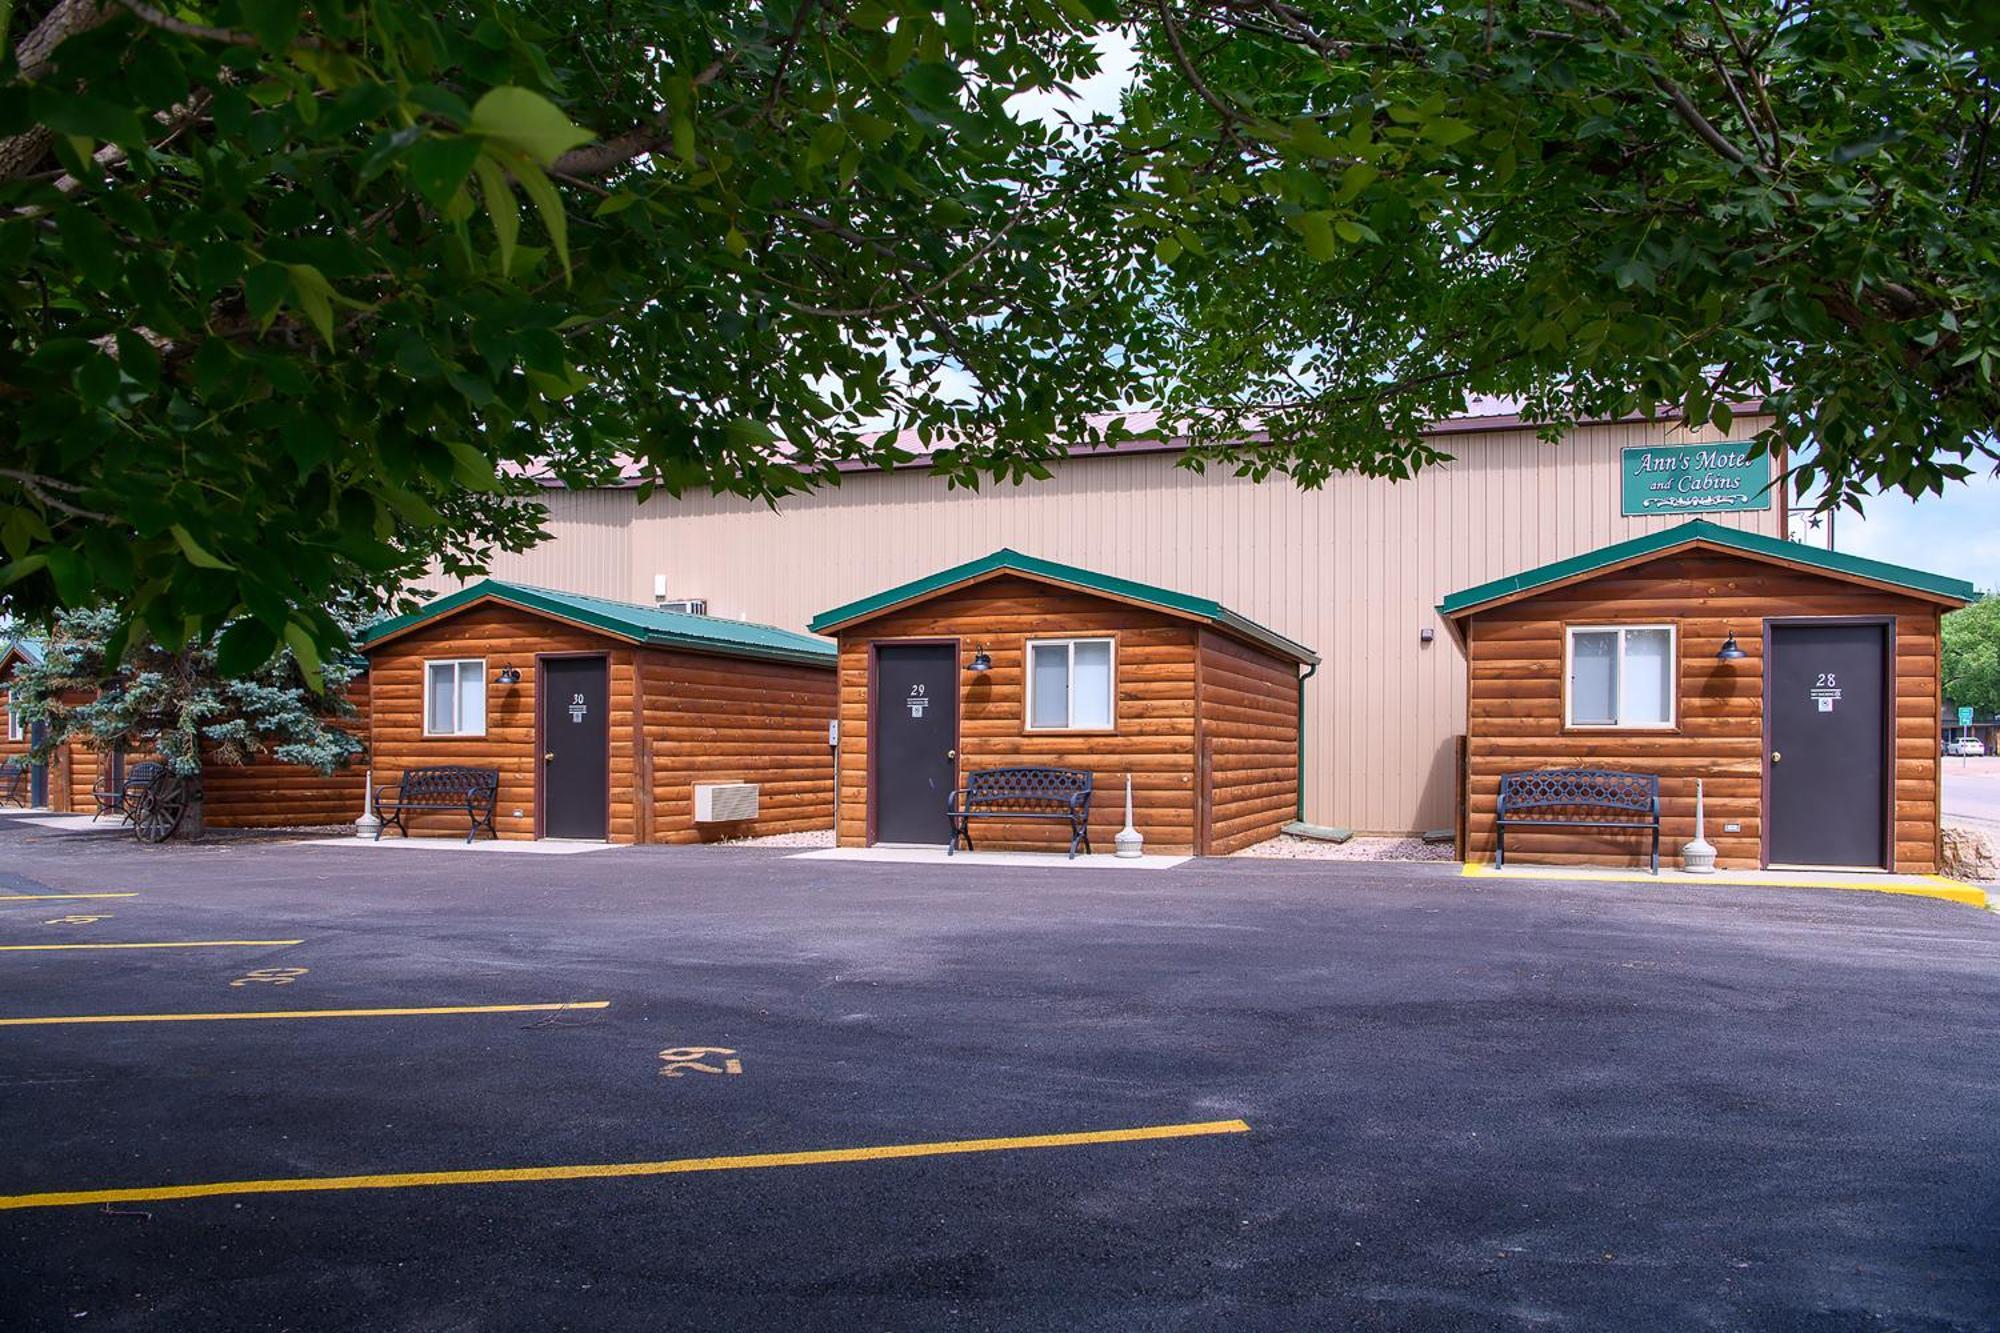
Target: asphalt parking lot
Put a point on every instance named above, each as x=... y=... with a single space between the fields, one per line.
x=1355 y=1096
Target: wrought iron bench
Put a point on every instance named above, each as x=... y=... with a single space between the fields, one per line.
x=1567 y=798
x=14 y=782
x=121 y=796
x=1058 y=794
x=471 y=791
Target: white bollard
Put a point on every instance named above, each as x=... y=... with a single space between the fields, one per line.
x=1130 y=844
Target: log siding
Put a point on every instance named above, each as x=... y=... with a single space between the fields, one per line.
x=1158 y=734
x=1517 y=678
x=675 y=718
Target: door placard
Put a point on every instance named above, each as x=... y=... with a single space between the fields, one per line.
x=918 y=701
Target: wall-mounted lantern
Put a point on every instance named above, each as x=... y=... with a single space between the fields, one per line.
x=1730 y=652
x=508 y=676
x=982 y=662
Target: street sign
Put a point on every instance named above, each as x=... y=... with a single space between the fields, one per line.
x=1965 y=715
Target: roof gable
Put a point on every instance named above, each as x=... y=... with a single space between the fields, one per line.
x=1005 y=561
x=1700 y=532
x=19 y=650
x=628 y=621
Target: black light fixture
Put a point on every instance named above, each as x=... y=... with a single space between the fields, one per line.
x=508 y=676
x=1729 y=651
x=982 y=661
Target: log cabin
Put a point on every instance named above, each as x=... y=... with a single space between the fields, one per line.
x=17 y=735
x=1010 y=660
x=606 y=720
x=1798 y=685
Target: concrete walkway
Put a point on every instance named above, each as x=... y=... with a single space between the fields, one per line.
x=936 y=856
x=1922 y=886
x=503 y=847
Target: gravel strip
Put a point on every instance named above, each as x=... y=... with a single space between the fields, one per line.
x=1288 y=847
x=819 y=837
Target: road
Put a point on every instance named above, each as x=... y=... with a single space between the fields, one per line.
x=1243 y=1094
x=1972 y=792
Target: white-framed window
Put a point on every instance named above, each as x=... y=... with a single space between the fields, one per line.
x=17 y=729
x=455 y=697
x=1621 y=676
x=1070 y=684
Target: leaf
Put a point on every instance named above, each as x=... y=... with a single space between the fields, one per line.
x=438 y=165
x=1354 y=180
x=1445 y=131
x=274 y=22
x=1636 y=272
x=501 y=207
x=1317 y=230
x=196 y=554
x=471 y=467
x=243 y=647
x=528 y=121
x=300 y=640
x=549 y=204
x=313 y=295
x=264 y=288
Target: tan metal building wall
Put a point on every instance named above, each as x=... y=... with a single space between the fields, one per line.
x=1353 y=570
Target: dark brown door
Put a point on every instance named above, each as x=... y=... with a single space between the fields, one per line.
x=576 y=761
x=1827 y=721
x=915 y=740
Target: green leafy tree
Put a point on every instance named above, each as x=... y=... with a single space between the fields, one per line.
x=178 y=705
x=1372 y=209
x=1971 y=659
x=293 y=294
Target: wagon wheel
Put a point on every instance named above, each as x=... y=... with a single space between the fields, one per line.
x=161 y=807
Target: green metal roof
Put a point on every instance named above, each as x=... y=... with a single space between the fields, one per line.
x=29 y=649
x=1005 y=561
x=625 y=620
x=1754 y=544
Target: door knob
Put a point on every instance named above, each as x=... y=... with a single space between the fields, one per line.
x=1776 y=755
x=549 y=758
x=951 y=754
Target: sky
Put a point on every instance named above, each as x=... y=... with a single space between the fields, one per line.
x=1957 y=533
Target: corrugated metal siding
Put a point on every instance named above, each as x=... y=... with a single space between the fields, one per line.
x=1352 y=570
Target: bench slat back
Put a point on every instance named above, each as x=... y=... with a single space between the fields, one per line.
x=1588 y=788
x=143 y=773
x=988 y=786
x=447 y=780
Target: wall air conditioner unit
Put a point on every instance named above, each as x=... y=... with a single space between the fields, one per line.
x=724 y=802
x=687 y=606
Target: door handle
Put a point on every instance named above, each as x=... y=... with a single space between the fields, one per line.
x=1776 y=755
x=549 y=758
x=951 y=754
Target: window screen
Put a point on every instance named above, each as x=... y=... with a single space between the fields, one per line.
x=455 y=698
x=1070 y=685
x=1621 y=676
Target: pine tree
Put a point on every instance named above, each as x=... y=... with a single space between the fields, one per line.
x=177 y=704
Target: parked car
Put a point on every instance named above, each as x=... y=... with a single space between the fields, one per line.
x=1966 y=746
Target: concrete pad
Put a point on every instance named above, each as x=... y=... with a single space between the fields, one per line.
x=1922 y=886
x=504 y=846
x=69 y=823
x=936 y=856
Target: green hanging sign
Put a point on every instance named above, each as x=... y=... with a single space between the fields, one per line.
x=1688 y=479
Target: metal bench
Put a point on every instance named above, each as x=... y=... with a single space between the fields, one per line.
x=1566 y=798
x=14 y=782
x=1058 y=794
x=471 y=791
x=121 y=796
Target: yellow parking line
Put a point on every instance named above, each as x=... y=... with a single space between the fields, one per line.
x=302 y=1013
x=606 y=1170
x=158 y=944
x=44 y=897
